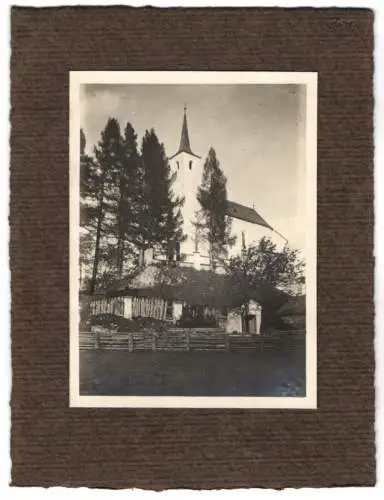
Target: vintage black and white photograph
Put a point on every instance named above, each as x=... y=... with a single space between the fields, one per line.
x=193 y=239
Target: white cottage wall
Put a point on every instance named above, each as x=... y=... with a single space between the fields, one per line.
x=177 y=310
x=255 y=309
x=234 y=322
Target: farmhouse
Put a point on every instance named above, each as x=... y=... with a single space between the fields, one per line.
x=190 y=298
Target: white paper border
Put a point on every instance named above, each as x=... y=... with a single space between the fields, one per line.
x=76 y=79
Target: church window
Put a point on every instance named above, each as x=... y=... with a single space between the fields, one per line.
x=178 y=165
x=190 y=165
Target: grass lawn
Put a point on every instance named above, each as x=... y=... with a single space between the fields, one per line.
x=123 y=373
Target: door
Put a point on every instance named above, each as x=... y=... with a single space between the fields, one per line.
x=252 y=326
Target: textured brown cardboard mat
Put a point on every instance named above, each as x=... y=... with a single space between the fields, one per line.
x=53 y=445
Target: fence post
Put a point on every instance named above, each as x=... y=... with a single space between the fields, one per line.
x=187 y=340
x=154 y=341
x=130 y=342
x=97 y=340
x=227 y=342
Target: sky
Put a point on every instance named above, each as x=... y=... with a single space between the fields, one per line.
x=255 y=130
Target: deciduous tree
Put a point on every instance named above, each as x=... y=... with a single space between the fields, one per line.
x=262 y=266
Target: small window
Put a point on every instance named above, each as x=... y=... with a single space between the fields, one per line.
x=190 y=165
x=178 y=165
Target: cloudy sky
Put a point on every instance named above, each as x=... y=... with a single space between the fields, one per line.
x=255 y=130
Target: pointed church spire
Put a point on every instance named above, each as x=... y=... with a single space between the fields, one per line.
x=185 y=146
x=184 y=141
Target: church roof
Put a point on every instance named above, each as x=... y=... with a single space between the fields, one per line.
x=185 y=146
x=237 y=211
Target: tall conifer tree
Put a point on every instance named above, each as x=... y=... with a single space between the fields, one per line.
x=213 y=225
x=132 y=199
x=162 y=219
x=108 y=155
x=91 y=214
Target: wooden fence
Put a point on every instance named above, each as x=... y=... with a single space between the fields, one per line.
x=110 y=305
x=149 y=307
x=185 y=340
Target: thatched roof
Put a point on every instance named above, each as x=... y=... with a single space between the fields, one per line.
x=295 y=306
x=197 y=287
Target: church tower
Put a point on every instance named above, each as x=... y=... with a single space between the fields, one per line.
x=188 y=168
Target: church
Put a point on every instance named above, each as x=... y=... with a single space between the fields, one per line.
x=188 y=167
x=184 y=288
